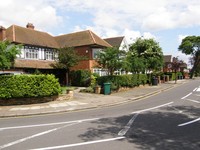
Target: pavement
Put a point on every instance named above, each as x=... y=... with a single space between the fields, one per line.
x=83 y=101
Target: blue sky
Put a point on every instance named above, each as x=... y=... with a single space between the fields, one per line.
x=167 y=21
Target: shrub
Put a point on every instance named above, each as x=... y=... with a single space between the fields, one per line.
x=123 y=80
x=80 y=78
x=19 y=86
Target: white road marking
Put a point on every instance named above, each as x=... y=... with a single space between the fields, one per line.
x=80 y=144
x=127 y=127
x=49 y=124
x=190 y=122
x=33 y=136
x=152 y=108
x=195 y=89
x=198 y=89
x=186 y=96
x=193 y=100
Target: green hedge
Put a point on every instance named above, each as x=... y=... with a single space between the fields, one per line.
x=80 y=78
x=20 y=86
x=123 y=80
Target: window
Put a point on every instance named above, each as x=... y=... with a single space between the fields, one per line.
x=31 y=52
x=95 y=51
x=49 y=55
x=101 y=72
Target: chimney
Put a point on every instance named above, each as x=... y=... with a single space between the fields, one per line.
x=30 y=26
x=2 y=33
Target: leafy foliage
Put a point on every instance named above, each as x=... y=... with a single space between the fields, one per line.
x=145 y=54
x=18 y=86
x=124 y=80
x=111 y=59
x=67 y=58
x=190 y=45
x=80 y=78
x=8 y=53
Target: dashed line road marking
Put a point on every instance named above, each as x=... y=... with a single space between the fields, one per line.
x=186 y=96
x=127 y=127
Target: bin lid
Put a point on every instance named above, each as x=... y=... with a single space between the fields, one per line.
x=106 y=83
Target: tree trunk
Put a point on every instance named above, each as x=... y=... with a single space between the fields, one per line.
x=196 y=63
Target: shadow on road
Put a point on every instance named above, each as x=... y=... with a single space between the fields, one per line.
x=155 y=130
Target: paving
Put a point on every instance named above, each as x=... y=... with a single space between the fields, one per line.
x=82 y=101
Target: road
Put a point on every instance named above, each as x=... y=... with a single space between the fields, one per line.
x=168 y=120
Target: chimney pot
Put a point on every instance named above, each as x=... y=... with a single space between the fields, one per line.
x=30 y=26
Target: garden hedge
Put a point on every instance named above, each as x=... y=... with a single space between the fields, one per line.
x=124 y=80
x=27 y=86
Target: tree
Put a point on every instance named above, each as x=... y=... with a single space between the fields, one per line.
x=176 y=63
x=67 y=58
x=149 y=53
x=8 y=54
x=190 y=45
x=136 y=64
x=111 y=59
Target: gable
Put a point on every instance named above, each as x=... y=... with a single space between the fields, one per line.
x=115 y=41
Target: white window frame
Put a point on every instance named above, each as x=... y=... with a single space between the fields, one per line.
x=95 y=51
x=31 y=52
x=49 y=54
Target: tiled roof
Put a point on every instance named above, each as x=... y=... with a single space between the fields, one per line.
x=29 y=36
x=81 y=39
x=40 y=64
x=115 y=41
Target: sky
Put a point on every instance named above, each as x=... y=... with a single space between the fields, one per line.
x=167 y=21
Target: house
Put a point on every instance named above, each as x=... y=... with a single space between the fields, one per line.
x=40 y=48
x=86 y=43
x=169 y=64
x=119 y=42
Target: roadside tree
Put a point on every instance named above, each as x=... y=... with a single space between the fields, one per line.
x=111 y=59
x=67 y=58
x=190 y=45
x=149 y=54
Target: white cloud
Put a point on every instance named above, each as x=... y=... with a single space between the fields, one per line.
x=147 y=14
x=180 y=38
x=20 y=12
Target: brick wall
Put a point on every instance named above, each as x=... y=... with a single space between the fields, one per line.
x=85 y=64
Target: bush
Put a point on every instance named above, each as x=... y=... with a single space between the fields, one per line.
x=19 y=86
x=80 y=78
x=123 y=80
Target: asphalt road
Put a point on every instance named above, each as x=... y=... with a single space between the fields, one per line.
x=167 y=121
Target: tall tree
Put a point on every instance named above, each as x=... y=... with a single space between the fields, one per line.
x=67 y=58
x=136 y=64
x=190 y=45
x=149 y=51
x=110 y=59
x=8 y=54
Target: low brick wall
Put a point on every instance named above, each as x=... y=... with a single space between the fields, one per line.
x=27 y=101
